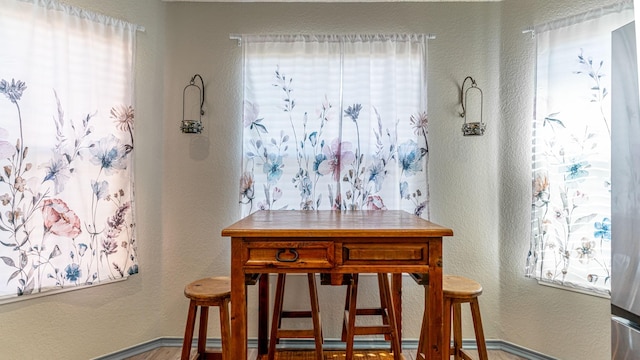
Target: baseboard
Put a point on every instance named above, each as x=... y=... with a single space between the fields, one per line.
x=329 y=344
x=507 y=347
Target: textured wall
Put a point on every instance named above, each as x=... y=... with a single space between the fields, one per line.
x=187 y=185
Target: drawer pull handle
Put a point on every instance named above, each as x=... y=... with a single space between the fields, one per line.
x=293 y=251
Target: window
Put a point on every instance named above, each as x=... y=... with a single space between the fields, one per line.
x=66 y=149
x=571 y=163
x=335 y=122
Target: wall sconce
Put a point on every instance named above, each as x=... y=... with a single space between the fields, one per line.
x=470 y=128
x=192 y=126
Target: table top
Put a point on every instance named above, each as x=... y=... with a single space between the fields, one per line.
x=330 y=223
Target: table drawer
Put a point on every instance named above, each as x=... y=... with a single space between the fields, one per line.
x=295 y=254
x=385 y=253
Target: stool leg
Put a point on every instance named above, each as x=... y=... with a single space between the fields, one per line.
x=225 y=329
x=446 y=326
x=391 y=314
x=424 y=331
x=477 y=326
x=351 y=318
x=277 y=312
x=202 y=331
x=315 y=316
x=383 y=303
x=421 y=350
x=347 y=302
x=188 y=331
x=457 y=330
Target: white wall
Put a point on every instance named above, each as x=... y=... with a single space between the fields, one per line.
x=187 y=184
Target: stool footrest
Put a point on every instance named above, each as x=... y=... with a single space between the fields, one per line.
x=295 y=314
x=369 y=312
x=296 y=334
x=372 y=330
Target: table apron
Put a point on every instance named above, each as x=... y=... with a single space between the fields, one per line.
x=424 y=269
x=341 y=256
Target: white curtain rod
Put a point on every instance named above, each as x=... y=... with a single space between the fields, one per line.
x=530 y=31
x=238 y=37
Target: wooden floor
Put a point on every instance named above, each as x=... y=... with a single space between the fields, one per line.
x=173 y=353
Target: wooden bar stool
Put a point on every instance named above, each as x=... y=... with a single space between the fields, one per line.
x=458 y=290
x=386 y=311
x=277 y=332
x=203 y=293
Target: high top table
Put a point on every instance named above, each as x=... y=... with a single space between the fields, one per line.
x=334 y=243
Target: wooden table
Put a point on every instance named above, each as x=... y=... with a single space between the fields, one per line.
x=334 y=242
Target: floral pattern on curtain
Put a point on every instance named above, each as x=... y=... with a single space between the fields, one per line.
x=571 y=164
x=335 y=122
x=66 y=149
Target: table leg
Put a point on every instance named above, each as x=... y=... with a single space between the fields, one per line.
x=435 y=343
x=238 y=303
x=263 y=315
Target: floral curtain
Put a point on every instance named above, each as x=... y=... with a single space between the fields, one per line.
x=66 y=149
x=335 y=122
x=571 y=163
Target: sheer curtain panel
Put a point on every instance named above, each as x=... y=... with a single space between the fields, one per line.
x=335 y=122
x=66 y=149
x=571 y=163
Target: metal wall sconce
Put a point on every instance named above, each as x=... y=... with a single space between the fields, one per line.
x=192 y=126
x=471 y=128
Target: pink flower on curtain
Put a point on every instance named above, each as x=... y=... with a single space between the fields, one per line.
x=59 y=219
x=247 y=186
x=337 y=156
x=6 y=148
x=375 y=202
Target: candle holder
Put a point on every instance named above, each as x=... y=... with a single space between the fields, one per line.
x=192 y=126
x=471 y=128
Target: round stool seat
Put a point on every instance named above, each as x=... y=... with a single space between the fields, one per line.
x=460 y=287
x=209 y=289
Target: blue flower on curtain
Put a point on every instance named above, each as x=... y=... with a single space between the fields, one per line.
x=273 y=168
x=576 y=172
x=73 y=272
x=603 y=229
x=410 y=156
x=32 y=200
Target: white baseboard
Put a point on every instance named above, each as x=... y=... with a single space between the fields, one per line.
x=330 y=344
